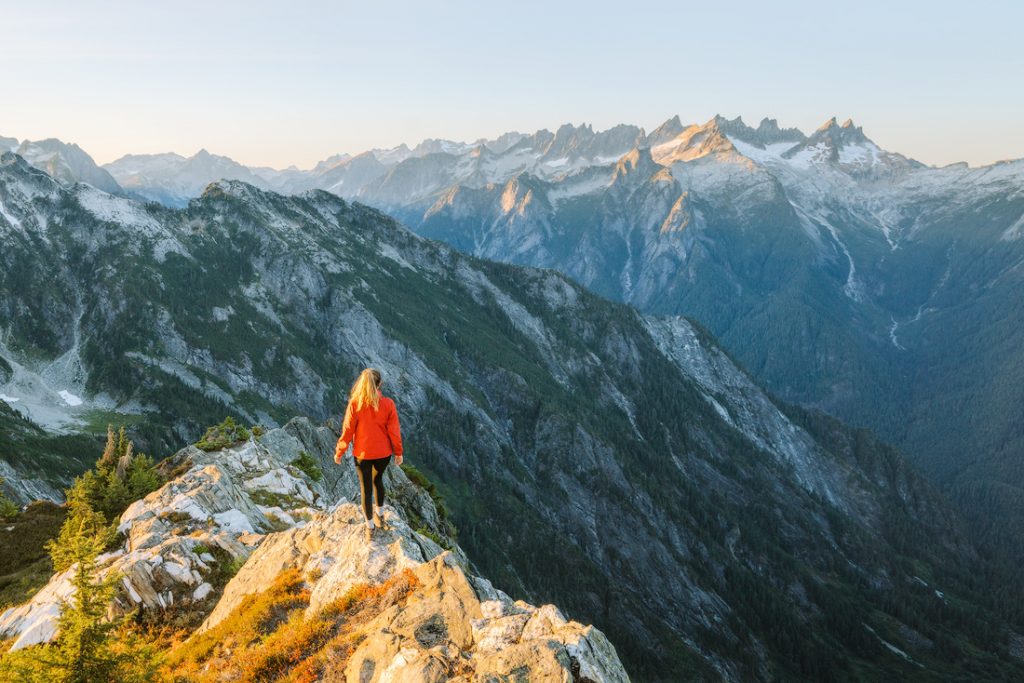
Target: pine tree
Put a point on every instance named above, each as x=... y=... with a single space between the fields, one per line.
x=110 y=454
x=83 y=648
x=89 y=647
x=82 y=522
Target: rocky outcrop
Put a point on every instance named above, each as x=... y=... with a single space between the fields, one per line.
x=251 y=505
x=454 y=626
x=182 y=541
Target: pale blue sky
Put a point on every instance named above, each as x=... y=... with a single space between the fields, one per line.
x=294 y=82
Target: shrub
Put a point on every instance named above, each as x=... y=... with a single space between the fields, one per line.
x=82 y=525
x=309 y=466
x=97 y=498
x=228 y=433
x=271 y=499
x=270 y=637
x=119 y=478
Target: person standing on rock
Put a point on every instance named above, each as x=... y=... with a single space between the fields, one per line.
x=371 y=426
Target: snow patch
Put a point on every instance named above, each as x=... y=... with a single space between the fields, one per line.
x=69 y=398
x=864 y=154
x=807 y=157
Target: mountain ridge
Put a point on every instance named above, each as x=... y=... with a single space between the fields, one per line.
x=249 y=503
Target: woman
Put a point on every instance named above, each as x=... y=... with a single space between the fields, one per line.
x=371 y=426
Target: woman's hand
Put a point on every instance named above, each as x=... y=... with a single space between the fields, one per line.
x=398 y=460
x=339 y=452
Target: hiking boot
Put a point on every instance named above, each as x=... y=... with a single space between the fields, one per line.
x=369 y=534
x=378 y=520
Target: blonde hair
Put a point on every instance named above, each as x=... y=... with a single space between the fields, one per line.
x=366 y=389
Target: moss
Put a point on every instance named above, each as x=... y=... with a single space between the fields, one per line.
x=272 y=499
x=176 y=517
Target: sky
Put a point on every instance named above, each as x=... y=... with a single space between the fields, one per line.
x=291 y=83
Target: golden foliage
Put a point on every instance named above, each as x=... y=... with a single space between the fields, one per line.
x=270 y=637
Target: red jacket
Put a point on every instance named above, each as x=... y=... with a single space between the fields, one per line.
x=372 y=433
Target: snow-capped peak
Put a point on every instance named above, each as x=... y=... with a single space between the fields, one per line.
x=666 y=131
x=67 y=163
x=846 y=147
x=767 y=133
x=698 y=141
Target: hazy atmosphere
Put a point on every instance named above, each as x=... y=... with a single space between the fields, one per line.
x=281 y=84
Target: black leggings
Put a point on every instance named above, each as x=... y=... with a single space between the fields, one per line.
x=371 y=481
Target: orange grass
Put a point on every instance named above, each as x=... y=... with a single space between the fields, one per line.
x=269 y=637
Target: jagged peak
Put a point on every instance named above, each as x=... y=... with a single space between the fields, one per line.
x=666 y=131
x=233 y=188
x=695 y=142
x=831 y=123
x=838 y=135
x=481 y=151
x=723 y=122
x=769 y=131
x=636 y=160
x=568 y=129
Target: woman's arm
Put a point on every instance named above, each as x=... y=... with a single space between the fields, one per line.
x=348 y=430
x=395 y=434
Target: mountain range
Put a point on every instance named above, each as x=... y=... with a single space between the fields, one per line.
x=709 y=529
x=844 y=277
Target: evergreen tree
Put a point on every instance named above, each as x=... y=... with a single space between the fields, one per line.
x=83 y=650
x=83 y=522
x=89 y=647
x=110 y=454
